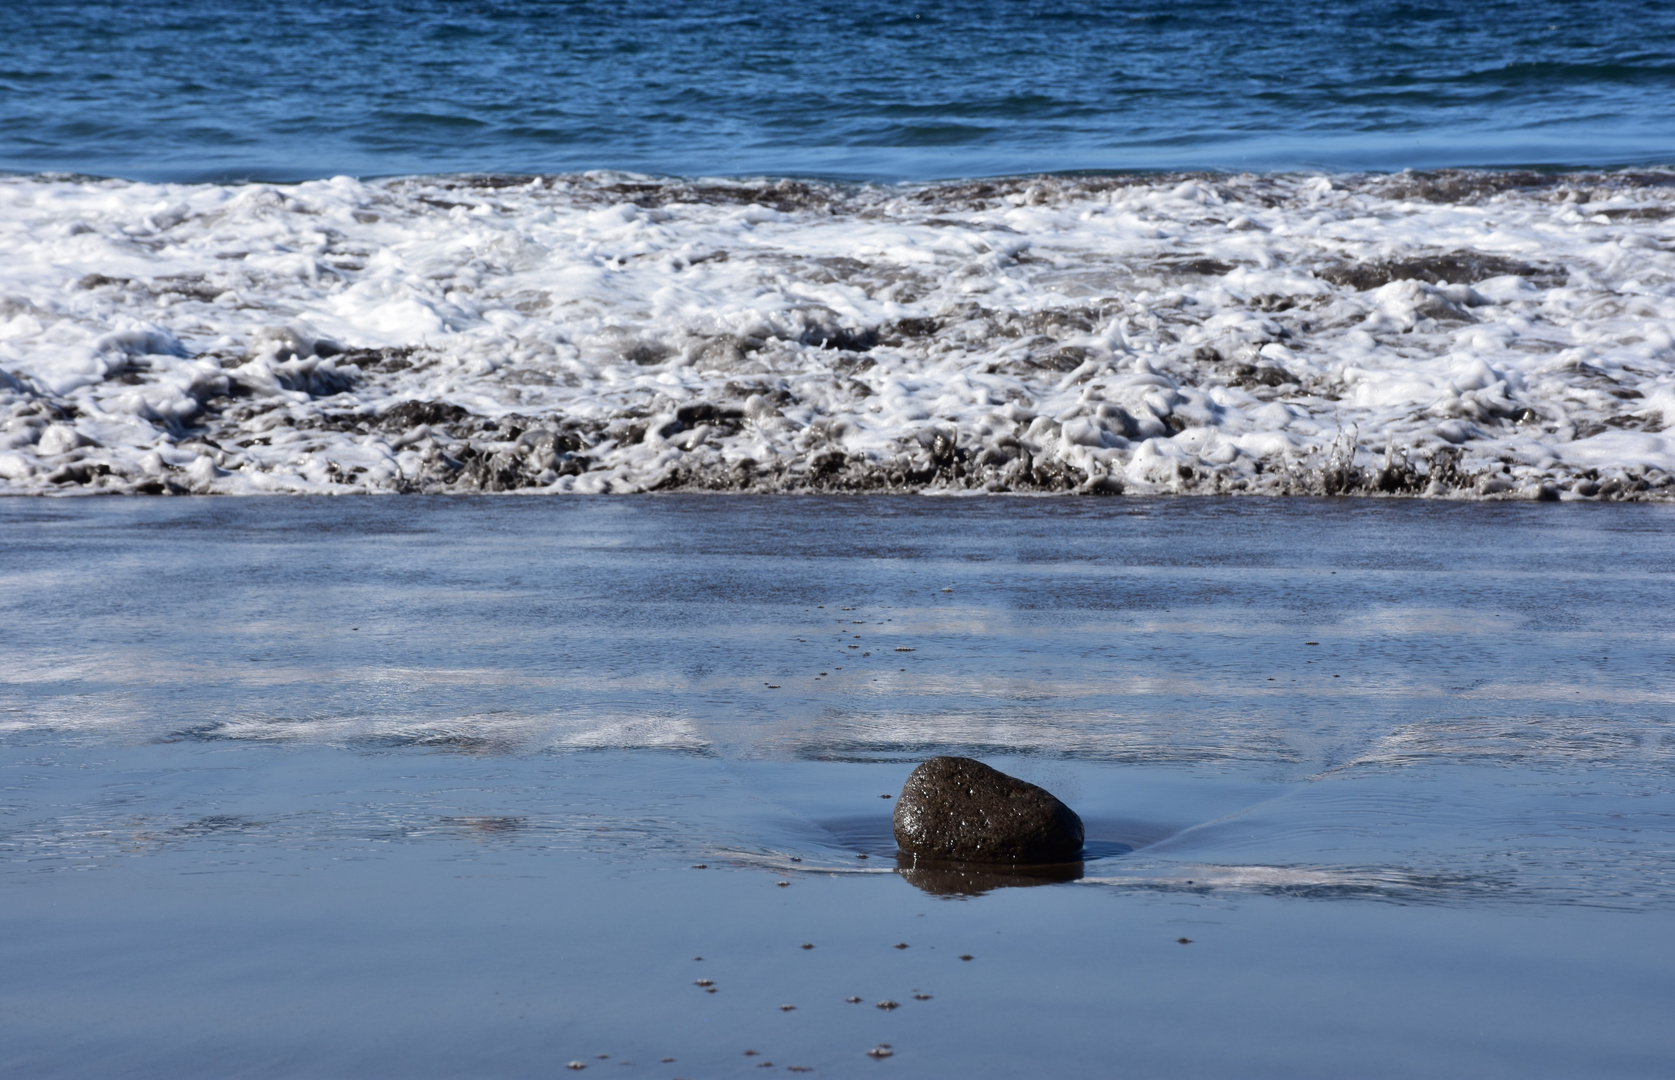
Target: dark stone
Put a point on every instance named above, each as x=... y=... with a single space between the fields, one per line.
x=843 y=339
x=1064 y=360
x=957 y=808
x=1207 y=267
x=1262 y=375
x=1392 y=479
x=828 y=463
x=387 y=359
x=1458 y=267
x=690 y=416
x=95 y=281
x=410 y=414
x=1465 y=185
x=907 y=330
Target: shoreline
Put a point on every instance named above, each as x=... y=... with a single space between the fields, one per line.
x=496 y=177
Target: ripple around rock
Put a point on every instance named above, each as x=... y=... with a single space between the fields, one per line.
x=959 y=809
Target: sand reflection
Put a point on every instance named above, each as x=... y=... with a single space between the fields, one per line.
x=974 y=879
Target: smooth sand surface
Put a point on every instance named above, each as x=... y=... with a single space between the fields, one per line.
x=411 y=787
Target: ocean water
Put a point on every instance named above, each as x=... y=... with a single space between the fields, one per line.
x=420 y=787
x=229 y=89
x=475 y=786
x=631 y=247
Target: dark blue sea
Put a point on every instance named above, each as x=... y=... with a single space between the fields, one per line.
x=233 y=89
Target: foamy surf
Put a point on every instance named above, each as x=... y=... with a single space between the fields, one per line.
x=1490 y=335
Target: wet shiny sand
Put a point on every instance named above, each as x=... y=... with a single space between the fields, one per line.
x=413 y=787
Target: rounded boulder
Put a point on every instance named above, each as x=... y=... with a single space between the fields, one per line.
x=959 y=809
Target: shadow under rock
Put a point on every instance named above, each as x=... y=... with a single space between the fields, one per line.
x=974 y=879
x=872 y=835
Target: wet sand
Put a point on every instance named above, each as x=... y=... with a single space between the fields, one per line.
x=412 y=787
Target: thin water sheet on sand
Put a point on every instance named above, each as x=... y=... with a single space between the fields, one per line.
x=400 y=787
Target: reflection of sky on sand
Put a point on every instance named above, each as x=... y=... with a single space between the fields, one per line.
x=588 y=700
x=1351 y=671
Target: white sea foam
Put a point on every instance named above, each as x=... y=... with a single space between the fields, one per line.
x=1488 y=335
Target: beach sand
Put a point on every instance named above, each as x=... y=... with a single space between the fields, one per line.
x=408 y=787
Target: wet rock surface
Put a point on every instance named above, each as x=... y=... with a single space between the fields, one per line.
x=957 y=809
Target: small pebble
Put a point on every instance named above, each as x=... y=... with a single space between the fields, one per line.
x=901 y=944
x=1183 y=941
x=853 y=1000
x=879 y=1052
x=785 y=884
x=787 y=1008
x=921 y=997
x=704 y=982
x=667 y=1060
x=808 y=944
x=965 y=956
x=887 y=1005
x=860 y=856
x=702 y=866
x=576 y=1065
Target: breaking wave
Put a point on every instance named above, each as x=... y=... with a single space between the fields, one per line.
x=1476 y=335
